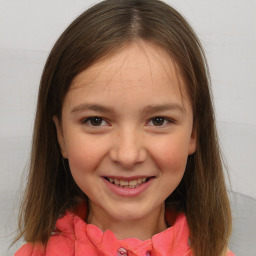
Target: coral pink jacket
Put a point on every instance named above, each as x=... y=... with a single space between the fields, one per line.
x=76 y=238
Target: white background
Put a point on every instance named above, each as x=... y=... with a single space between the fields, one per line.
x=28 y=30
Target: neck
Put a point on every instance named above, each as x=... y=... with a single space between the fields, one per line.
x=141 y=228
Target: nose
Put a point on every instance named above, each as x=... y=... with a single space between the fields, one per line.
x=128 y=148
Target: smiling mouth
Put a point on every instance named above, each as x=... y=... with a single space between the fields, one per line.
x=128 y=184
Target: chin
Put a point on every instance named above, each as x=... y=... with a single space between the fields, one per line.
x=130 y=213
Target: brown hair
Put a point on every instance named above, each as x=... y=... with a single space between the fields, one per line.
x=98 y=32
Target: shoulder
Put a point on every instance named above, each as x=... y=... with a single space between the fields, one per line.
x=30 y=250
x=60 y=242
x=229 y=253
x=57 y=245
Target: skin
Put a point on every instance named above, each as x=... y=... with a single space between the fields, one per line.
x=127 y=142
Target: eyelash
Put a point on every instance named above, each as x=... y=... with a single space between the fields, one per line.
x=165 y=119
x=88 y=120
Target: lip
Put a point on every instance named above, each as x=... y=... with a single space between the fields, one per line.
x=127 y=192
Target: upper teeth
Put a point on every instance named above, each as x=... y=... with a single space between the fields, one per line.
x=126 y=182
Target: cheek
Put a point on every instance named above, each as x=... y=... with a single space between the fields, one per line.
x=171 y=159
x=84 y=154
x=171 y=155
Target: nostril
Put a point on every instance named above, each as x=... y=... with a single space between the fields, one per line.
x=127 y=158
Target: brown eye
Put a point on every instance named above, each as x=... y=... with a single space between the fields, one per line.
x=158 y=121
x=94 y=121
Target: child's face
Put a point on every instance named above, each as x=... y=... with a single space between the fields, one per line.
x=125 y=121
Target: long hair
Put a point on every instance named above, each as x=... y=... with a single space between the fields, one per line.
x=96 y=34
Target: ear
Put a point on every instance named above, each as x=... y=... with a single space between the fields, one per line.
x=193 y=141
x=60 y=136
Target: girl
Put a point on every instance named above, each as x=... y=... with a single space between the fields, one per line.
x=125 y=157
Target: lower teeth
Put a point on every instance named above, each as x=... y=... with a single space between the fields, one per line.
x=127 y=186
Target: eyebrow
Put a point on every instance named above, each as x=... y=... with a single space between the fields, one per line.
x=93 y=107
x=163 y=107
x=148 y=109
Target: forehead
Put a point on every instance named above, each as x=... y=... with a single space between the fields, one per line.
x=138 y=69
